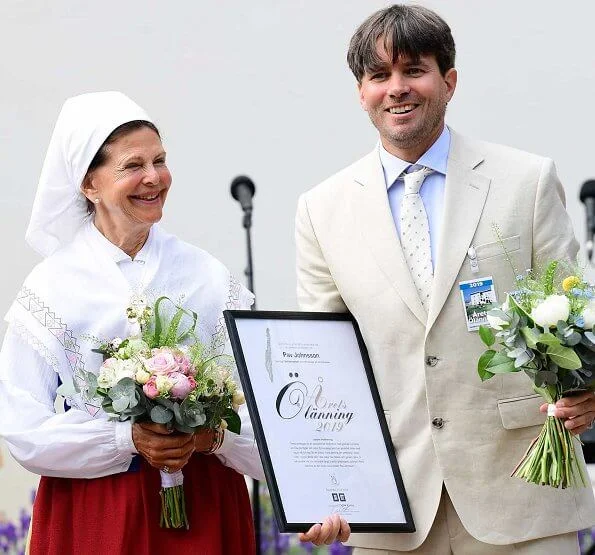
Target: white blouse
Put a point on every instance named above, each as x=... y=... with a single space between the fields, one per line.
x=74 y=444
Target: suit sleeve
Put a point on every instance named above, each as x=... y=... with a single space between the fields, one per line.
x=316 y=288
x=553 y=235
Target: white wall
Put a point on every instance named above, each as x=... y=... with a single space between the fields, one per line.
x=262 y=88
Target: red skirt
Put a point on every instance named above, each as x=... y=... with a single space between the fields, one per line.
x=119 y=514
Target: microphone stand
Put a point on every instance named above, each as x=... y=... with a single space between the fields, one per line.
x=248 y=272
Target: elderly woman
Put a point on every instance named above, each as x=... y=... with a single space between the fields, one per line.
x=101 y=192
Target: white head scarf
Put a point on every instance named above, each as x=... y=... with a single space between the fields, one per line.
x=84 y=123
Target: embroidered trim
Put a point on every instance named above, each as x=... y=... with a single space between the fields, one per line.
x=48 y=319
x=37 y=345
x=232 y=303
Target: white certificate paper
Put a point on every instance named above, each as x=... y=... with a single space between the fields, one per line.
x=318 y=420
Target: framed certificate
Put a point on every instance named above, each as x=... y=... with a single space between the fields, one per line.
x=318 y=420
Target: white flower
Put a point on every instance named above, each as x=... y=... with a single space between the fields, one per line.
x=113 y=370
x=142 y=376
x=589 y=315
x=238 y=398
x=553 y=308
x=163 y=384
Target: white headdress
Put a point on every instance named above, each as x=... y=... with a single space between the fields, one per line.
x=83 y=125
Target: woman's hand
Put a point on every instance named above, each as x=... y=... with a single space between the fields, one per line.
x=203 y=440
x=332 y=529
x=578 y=412
x=162 y=448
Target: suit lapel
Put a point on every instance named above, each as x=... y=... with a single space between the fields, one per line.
x=378 y=229
x=464 y=199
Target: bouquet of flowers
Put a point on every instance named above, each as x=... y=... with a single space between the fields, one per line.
x=165 y=375
x=545 y=328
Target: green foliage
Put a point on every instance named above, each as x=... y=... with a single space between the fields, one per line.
x=486 y=335
x=548 y=278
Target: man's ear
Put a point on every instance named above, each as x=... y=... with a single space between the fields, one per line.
x=360 y=95
x=450 y=80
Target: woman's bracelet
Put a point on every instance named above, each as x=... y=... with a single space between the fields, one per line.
x=218 y=436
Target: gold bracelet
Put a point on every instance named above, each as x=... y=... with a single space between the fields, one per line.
x=218 y=436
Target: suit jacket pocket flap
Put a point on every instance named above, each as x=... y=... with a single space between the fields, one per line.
x=521 y=412
x=488 y=250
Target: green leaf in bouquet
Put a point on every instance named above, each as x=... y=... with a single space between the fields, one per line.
x=530 y=335
x=486 y=335
x=192 y=413
x=123 y=394
x=572 y=338
x=548 y=393
x=523 y=359
x=161 y=415
x=233 y=420
x=482 y=365
x=514 y=353
x=564 y=357
x=500 y=364
x=549 y=339
x=548 y=277
x=545 y=377
x=589 y=340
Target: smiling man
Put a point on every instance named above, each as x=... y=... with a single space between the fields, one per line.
x=397 y=238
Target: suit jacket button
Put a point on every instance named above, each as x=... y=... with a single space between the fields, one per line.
x=431 y=360
x=438 y=423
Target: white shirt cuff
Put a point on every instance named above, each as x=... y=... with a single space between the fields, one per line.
x=124 y=443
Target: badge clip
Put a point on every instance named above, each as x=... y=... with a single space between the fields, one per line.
x=473 y=264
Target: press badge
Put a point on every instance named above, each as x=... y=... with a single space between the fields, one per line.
x=478 y=296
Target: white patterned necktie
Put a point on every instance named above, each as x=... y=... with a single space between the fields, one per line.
x=415 y=235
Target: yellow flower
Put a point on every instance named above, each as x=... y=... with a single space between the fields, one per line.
x=570 y=282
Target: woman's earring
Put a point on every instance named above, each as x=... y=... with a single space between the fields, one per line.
x=97 y=201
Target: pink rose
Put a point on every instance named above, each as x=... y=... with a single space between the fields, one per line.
x=183 y=385
x=184 y=365
x=162 y=362
x=150 y=388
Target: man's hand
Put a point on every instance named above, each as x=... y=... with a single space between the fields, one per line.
x=163 y=448
x=577 y=411
x=332 y=529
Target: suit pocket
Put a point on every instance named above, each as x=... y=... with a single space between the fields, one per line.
x=521 y=412
x=487 y=250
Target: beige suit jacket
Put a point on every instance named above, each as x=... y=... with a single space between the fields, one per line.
x=349 y=258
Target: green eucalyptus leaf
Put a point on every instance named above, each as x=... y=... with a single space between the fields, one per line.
x=572 y=339
x=486 y=335
x=564 y=357
x=524 y=358
x=161 y=415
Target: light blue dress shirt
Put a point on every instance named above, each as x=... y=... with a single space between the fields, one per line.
x=432 y=189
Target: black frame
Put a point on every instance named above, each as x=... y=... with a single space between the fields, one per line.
x=283 y=525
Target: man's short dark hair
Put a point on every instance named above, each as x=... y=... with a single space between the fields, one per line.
x=406 y=30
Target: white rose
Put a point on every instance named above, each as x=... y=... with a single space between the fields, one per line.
x=126 y=369
x=142 y=376
x=553 y=308
x=107 y=374
x=589 y=315
x=238 y=398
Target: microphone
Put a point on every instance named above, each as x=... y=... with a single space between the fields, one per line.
x=587 y=196
x=242 y=189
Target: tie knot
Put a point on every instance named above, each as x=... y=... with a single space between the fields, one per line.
x=414 y=180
